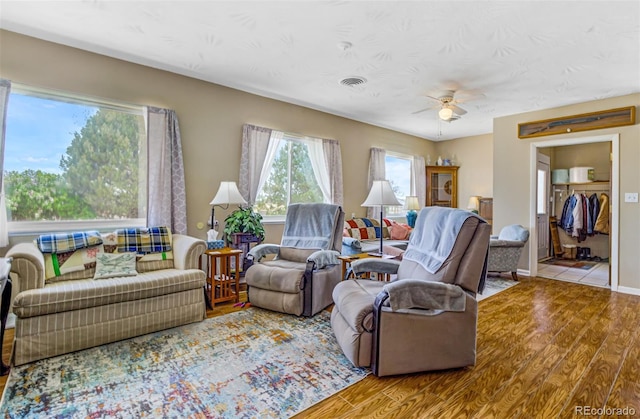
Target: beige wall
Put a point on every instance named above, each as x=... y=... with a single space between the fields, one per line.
x=474 y=155
x=211 y=118
x=511 y=174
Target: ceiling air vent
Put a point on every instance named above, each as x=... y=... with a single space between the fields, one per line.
x=353 y=81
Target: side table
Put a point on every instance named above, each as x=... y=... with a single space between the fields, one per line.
x=5 y=288
x=224 y=286
x=346 y=260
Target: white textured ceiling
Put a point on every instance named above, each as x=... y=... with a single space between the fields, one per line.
x=502 y=57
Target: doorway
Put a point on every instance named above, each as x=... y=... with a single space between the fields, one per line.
x=540 y=232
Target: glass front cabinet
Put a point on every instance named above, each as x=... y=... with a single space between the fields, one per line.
x=442 y=186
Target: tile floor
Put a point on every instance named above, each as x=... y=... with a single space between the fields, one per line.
x=597 y=276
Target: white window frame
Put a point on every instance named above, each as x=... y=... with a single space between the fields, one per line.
x=19 y=228
x=288 y=137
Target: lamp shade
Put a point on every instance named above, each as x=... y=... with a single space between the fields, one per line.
x=411 y=202
x=381 y=194
x=473 y=204
x=228 y=193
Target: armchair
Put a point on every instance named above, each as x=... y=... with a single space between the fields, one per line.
x=426 y=319
x=300 y=278
x=505 y=249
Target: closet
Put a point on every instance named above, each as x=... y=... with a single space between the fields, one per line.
x=579 y=249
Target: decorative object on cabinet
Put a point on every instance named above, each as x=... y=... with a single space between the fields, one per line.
x=583 y=122
x=380 y=195
x=442 y=186
x=411 y=203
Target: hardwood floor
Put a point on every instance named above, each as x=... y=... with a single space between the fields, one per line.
x=545 y=349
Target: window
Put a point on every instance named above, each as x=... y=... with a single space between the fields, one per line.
x=291 y=179
x=398 y=172
x=73 y=163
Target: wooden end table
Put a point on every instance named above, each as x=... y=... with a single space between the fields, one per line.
x=224 y=286
x=346 y=263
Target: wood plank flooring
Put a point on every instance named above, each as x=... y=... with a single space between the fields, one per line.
x=545 y=348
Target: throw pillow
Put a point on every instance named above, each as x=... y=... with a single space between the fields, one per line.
x=111 y=265
x=399 y=231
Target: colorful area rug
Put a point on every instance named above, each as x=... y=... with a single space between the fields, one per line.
x=570 y=263
x=494 y=285
x=251 y=363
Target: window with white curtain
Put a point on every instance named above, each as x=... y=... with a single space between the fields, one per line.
x=73 y=162
x=398 y=168
x=293 y=173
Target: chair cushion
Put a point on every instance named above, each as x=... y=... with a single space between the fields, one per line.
x=295 y=254
x=276 y=275
x=355 y=300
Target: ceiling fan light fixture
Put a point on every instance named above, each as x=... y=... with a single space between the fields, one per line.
x=445 y=113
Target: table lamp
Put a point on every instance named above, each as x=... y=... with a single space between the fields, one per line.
x=474 y=204
x=411 y=203
x=228 y=194
x=380 y=195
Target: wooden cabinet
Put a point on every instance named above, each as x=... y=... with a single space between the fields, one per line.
x=442 y=186
x=485 y=209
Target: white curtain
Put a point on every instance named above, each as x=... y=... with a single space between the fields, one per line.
x=376 y=172
x=166 y=191
x=326 y=162
x=255 y=147
x=419 y=180
x=274 y=143
x=333 y=163
x=5 y=89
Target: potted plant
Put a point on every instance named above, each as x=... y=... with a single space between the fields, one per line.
x=244 y=220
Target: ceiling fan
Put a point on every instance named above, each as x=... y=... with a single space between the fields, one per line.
x=449 y=111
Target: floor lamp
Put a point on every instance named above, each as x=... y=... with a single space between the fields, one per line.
x=380 y=195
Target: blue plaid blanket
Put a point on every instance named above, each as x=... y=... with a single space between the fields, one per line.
x=144 y=240
x=68 y=242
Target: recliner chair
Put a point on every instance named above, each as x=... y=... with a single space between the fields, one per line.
x=301 y=277
x=505 y=249
x=426 y=319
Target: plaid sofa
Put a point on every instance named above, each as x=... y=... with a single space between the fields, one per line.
x=73 y=311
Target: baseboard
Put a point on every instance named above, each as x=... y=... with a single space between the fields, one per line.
x=524 y=272
x=628 y=290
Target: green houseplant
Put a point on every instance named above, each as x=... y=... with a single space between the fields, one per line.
x=244 y=220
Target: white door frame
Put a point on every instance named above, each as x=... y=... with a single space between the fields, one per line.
x=614 y=139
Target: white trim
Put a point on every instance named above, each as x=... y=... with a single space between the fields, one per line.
x=614 y=139
x=627 y=290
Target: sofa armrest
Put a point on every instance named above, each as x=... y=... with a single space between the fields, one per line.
x=426 y=295
x=27 y=267
x=323 y=258
x=187 y=251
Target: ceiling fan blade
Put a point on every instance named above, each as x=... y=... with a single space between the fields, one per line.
x=457 y=109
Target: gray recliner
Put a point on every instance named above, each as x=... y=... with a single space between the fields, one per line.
x=300 y=278
x=505 y=249
x=426 y=319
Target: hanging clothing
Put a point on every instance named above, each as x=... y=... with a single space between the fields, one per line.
x=602 y=221
x=566 y=220
x=594 y=211
x=577 y=216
